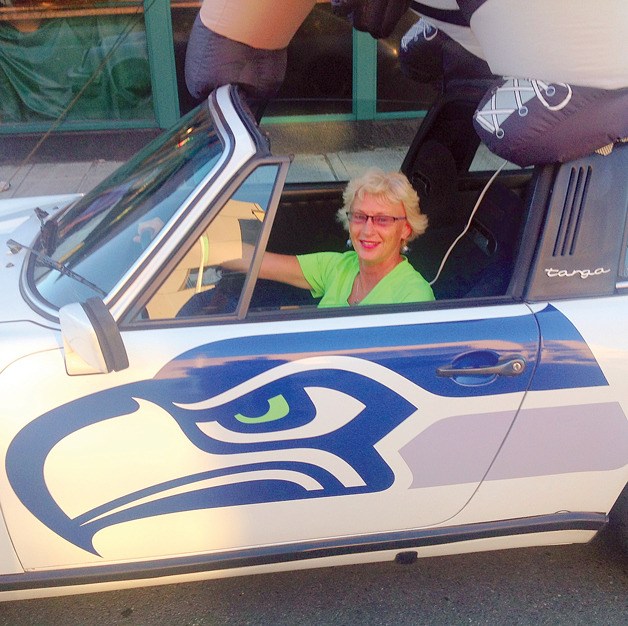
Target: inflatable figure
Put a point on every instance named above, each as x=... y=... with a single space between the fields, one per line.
x=376 y=17
x=565 y=63
x=428 y=55
x=242 y=42
x=533 y=121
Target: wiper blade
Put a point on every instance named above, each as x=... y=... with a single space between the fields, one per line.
x=15 y=247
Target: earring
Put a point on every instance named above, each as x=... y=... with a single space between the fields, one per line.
x=405 y=249
x=349 y=243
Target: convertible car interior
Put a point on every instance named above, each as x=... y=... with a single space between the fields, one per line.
x=476 y=203
x=474 y=227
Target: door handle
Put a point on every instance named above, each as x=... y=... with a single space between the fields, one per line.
x=505 y=366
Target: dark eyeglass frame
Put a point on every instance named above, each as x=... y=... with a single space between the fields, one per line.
x=382 y=221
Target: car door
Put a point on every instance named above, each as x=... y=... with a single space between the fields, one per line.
x=240 y=431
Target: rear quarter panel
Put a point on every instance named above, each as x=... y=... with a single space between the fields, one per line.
x=568 y=448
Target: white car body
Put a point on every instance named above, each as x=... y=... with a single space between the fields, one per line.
x=174 y=467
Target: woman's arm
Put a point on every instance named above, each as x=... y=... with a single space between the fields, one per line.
x=284 y=268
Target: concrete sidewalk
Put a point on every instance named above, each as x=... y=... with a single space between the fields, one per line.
x=324 y=152
x=79 y=177
x=53 y=178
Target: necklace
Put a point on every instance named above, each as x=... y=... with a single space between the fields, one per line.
x=357 y=292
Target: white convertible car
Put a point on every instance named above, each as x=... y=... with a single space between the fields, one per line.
x=166 y=419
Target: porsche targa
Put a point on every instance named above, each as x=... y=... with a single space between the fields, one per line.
x=165 y=418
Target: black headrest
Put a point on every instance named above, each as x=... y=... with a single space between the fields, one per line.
x=500 y=214
x=434 y=177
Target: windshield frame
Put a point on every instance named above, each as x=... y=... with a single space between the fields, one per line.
x=159 y=178
x=222 y=106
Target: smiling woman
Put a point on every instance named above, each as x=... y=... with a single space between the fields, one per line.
x=381 y=212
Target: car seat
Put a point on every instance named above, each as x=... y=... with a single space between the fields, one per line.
x=481 y=262
x=435 y=179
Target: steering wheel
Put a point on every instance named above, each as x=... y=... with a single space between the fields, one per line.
x=221 y=299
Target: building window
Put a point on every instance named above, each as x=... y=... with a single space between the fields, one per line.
x=395 y=91
x=76 y=61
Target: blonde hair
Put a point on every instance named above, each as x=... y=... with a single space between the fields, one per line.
x=390 y=187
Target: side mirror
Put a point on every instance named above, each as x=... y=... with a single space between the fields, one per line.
x=91 y=340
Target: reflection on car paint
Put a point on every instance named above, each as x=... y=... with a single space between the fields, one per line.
x=565 y=360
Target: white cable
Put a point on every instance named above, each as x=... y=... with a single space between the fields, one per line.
x=466 y=228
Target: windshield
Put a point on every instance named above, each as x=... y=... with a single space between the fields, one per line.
x=97 y=236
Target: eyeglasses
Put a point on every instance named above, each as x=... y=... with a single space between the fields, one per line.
x=383 y=221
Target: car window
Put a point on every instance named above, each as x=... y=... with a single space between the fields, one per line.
x=96 y=237
x=485 y=161
x=209 y=278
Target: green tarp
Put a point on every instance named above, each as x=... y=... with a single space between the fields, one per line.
x=41 y=72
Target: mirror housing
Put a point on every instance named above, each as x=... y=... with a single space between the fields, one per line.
x=92 y=343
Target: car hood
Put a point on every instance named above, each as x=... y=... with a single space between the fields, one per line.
x=19 y=339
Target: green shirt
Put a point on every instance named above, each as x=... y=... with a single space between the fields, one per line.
x=331 y=275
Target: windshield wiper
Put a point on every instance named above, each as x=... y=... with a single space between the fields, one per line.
x=15 y=247
x=48 y=230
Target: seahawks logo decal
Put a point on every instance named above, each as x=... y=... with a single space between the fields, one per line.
x=307 y=428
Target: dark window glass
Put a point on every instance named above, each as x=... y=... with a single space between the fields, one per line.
x=183 y=17
x=319 y=75
x=395 y=91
